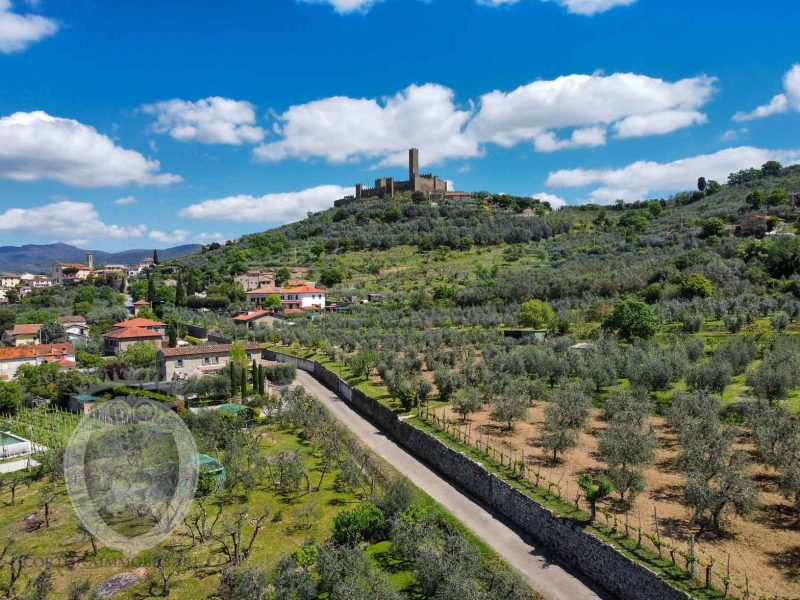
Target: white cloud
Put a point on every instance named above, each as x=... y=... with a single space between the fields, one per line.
x=176 y=236
x=211 y=120
x=65 y=218
x=658 y=123
x=36 y=146
x=592 y=7
x=576 y=7
x=733 y=134
x=635 y=104
x=127 y=200
x=555 y=202
x=17 y=31
x=572 y=111
x=637 y=180
x=269 y=208
x=341 y=128
x=589 y=137
x=781 y=103
x=345 y=6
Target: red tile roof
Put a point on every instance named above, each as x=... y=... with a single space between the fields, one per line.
x=266 y=290
x=138 y=322
x=206 y=349
x=27 y=328
x=129 y=333
x=53 y=350
x=141 y=302
x=251 y=316
x=16 y=353
x=45 y=351
x=304 y=289
x=300 y=289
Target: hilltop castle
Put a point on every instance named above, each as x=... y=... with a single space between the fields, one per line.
x=387 y=186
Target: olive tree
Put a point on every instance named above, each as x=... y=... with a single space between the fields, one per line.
x=565 y=414
x=628 y=443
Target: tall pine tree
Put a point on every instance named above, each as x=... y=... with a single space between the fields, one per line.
x=156 y=261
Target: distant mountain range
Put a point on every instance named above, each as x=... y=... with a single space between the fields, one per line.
x=38 y=258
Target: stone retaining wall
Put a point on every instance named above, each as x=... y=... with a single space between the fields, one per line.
x=562 y=537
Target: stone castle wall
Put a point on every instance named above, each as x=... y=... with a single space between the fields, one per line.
x=563 y=537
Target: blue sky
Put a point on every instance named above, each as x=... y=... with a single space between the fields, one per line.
x=143 y=124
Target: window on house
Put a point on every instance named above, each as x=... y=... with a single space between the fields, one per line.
x=211 y=360
x=179 y=363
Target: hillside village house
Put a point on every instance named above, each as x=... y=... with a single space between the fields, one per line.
x=9 y=280
x=35 y=282
x=127 y=333
x=12 y=359
x=66 y=273
x=300 y=297
x=196 y=361
x=139 y=305
x=23 y=334
x=254 y=318
x=76 y=327
x=252 y=280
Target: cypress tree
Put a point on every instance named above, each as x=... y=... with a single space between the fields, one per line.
x=244 y=383
x=156 y=261
x=191 y=286
x=180 y=292
x=173 y=335
x=151 y=289
x=255 y=375
x=232 y=372
x=261 y=379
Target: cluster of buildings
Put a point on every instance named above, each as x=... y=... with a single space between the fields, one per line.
x=63 y=273
x=21 y=284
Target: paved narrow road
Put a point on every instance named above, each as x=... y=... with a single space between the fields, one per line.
x=545 y=575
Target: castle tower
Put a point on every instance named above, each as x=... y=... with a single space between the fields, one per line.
x=90 y=260
x=413 y=166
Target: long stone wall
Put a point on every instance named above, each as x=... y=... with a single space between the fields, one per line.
x=563 y=537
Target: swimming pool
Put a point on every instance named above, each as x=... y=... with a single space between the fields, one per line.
x=12 y=445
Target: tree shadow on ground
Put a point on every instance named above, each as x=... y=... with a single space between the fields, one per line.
x=788 y=561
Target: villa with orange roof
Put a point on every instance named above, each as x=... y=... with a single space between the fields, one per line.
x=65 y=273
x=304 y=297
x=126 y=333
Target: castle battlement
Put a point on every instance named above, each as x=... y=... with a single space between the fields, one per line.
x=387 y=186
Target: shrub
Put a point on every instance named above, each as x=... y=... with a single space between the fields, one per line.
x=363 y=523
x=697 y=285
x=281 y=374
x=713 y=226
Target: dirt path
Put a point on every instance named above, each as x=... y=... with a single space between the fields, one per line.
x=544 y=574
